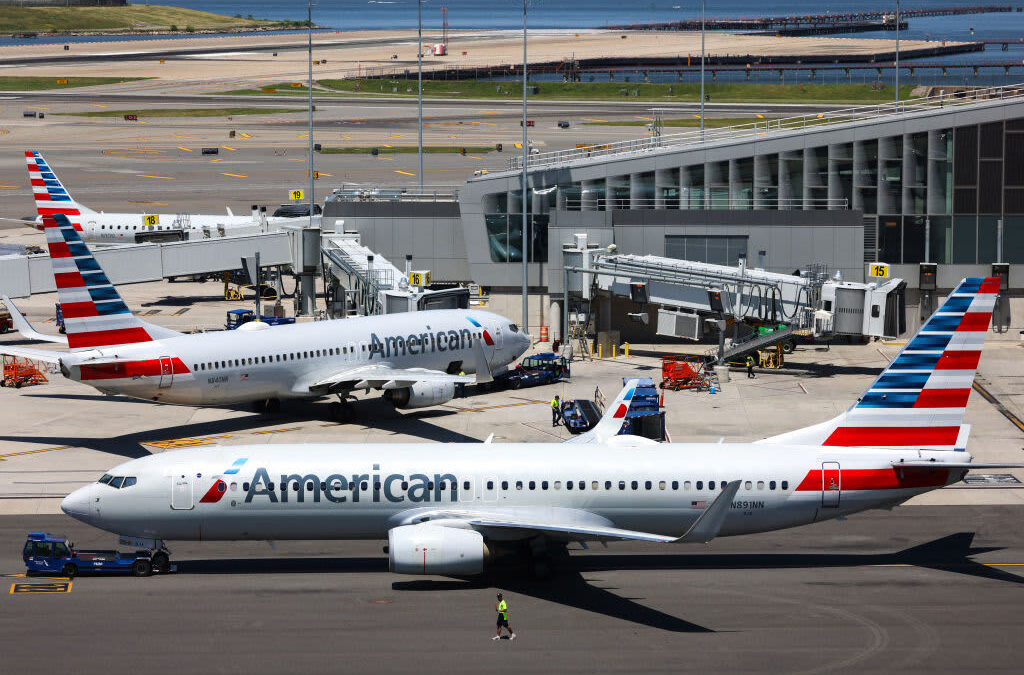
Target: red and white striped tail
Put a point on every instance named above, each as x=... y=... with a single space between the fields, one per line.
x=94 y=313
x=50 y=194
x=919 y=399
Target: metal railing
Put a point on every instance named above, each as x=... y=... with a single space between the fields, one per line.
x=705 y=201
x=987 y=95
x=349 y=193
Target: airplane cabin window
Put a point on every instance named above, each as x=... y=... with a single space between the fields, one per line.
x=568 y=485
x=594 y=485
x=543 y=485
x=607 y=485
x=633 y=484
x=295 y=486
x=270 y=485
x=746 y=486
x=622 y=485
x=309 y=486
x=129 y=481
x=785 y=485
x=504 y=485
x=771 y=485
x=465 y=485
x=490 y=485
x=760 y=485
x=364 y=485
x=711 y=485
x=519 y=485
x=245 y=486
x=234 y=486
x=700 y=485
x=686 y=485
x=647 y=485
x=661 y=485
x=675 y=485
x=533 y=485
x=583 y=485
x=405 y=485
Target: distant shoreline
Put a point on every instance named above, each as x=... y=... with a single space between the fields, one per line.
x=121 y=32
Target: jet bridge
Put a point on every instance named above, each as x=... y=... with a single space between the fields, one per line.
x=362 y=283
x=685 y=294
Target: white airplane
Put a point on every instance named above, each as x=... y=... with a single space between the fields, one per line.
x=447 y=509
x=413 y=357
x=52 y=197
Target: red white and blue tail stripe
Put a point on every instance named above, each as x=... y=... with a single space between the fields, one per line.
x=94 y=313
x=49 y=193
x=919 y=399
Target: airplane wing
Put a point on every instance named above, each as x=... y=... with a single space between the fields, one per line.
x=573 y=525
x=22 y=325
x=384 y=377
x=44 y=355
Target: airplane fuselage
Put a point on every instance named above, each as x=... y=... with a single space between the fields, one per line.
x=126 y=228
x=333 y=491
x=258 y=362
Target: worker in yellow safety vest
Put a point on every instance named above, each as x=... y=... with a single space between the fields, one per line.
x=556 y=411
x=502 y=610
x=750 y=366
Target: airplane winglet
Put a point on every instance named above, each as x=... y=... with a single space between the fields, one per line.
x=22 y=325
x=710 y=522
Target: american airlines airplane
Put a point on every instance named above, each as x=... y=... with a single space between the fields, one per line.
x=120 y=228
x=448 y=509
x=415 y=358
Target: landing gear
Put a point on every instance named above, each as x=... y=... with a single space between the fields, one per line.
x=268 y=406
x=340 y=411
x=161 y=562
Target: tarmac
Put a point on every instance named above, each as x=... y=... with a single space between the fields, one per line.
x=916 y=590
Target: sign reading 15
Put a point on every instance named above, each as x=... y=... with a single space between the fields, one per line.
x=880 y=271
x=151 y=220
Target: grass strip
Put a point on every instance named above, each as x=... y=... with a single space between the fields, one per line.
x=407 y=149
x=23 y=83
x=130 y=17
x=186 y=112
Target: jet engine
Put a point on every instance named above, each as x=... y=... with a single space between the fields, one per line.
x=432 y=549
x=421 y=395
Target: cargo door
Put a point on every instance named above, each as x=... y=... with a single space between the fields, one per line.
x=181 y=492
x=830 y=484
x=166 y=372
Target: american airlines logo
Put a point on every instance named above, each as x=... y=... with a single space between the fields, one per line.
x=339 y=488
x=423 y=343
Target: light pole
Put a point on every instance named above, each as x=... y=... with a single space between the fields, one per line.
x=419 y=58
x=309 y=26
x=897 y=102
x=702 y=69
x=526 y=155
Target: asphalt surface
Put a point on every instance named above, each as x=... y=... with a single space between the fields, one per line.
x=920 y=589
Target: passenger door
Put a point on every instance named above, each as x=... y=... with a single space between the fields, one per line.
x=181 y=492
x=830 y=484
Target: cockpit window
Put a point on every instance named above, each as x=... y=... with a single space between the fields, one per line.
x=106 y=478
x=129 y=481
x=116 y=482
x=514 y=328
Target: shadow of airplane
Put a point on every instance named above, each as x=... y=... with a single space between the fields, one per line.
x=378 y=414
x=569 y=586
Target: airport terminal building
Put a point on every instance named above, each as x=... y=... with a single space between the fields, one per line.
x=933 y=180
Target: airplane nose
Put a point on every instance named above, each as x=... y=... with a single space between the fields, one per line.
x=76 y=504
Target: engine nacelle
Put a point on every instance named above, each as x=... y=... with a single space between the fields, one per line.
x=431 y=549
x=421 y=395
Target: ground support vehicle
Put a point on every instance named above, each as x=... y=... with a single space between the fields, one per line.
x=684 y=371
x=645 y=416
x=240 y=317
x=52 y=554
x=544 y=368
x=580 y=415
x=5 y=321
x=18 y=372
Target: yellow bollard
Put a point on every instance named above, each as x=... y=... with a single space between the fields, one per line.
x=591 y=349
x=615 y=351
x=625 y=350
x=600 y=351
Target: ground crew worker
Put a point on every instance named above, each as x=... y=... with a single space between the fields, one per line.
x=460 y=388
x=556 y=410
x=502 y=610
x=750 y=366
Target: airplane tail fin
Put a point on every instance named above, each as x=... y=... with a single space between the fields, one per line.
x=94 y=313
x=919 y=399
x=50 y=194
x=614 y=416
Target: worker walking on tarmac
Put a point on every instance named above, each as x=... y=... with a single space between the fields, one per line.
x=460 y=388
x=502 y=610
x=556 y=410
x=750 y=366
